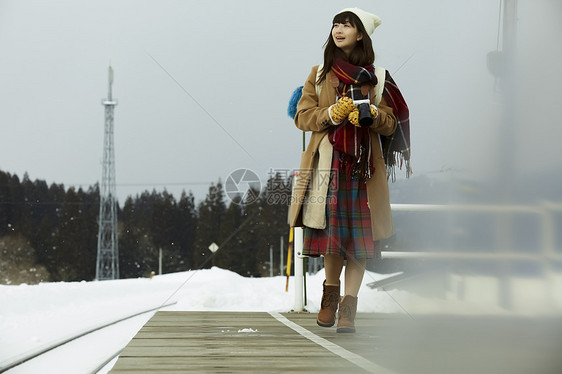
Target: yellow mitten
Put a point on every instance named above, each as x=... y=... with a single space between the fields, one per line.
x=354 y=115
x=374 y=111
x=341 y=109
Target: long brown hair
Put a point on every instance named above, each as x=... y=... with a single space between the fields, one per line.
x=362 y=54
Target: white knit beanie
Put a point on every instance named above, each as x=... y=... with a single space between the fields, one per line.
x=370 y=21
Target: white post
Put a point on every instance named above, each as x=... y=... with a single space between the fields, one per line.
x=160 y=261
x=281 y=257
x=299 y=274
x=270 y=261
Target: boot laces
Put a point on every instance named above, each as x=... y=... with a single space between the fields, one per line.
x=330 y=299
x=347 y=310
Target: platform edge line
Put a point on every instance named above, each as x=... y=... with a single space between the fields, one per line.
x=354 y=358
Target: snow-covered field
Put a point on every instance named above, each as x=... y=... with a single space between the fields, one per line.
x=35 y=316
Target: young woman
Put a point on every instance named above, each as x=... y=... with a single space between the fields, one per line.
x=341 y=194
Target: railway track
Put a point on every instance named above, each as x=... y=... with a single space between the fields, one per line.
x=28 y=356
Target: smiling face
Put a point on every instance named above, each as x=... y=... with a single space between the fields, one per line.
x=346 y=36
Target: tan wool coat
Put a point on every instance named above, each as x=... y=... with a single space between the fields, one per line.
x=308 y=202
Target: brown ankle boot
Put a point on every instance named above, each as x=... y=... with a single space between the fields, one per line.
x=346 y=314
x=329 y=305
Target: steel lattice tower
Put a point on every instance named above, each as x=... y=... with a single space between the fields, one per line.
x=107 y=265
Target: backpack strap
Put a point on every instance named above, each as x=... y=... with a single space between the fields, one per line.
x=319 y=86
x=380 y=73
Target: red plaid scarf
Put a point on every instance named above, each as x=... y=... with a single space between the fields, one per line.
x=396 y=147
x=354 y=143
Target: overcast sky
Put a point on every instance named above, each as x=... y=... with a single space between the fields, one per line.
x=203 y=86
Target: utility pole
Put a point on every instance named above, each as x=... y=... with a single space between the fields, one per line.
x=508 y=86
x=107 y=265
x=503 y=65
x=508 y=130
x=281 y=257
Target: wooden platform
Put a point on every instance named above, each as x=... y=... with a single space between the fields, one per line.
x=241 y=342
x=237 y=342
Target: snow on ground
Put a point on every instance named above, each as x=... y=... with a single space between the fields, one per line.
x=34 y=316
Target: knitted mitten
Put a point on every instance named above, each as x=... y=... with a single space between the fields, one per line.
x=354 y=115
x=341 y=109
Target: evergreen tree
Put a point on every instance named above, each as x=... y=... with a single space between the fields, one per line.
x=273 y=222
x=268 y=222
x=48 y=213
x=90 y=201
x=137 y=252
x=211 y=212
x=5 y=206
x=247 y=252
x=152 y=222
x=129 y=237
x=187 y=229
x=11 y=193
x=74 y=248
x=26 y=207
x=229 y=256
x=166 y=231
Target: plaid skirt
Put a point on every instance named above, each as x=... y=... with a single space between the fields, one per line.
x=348 y=220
